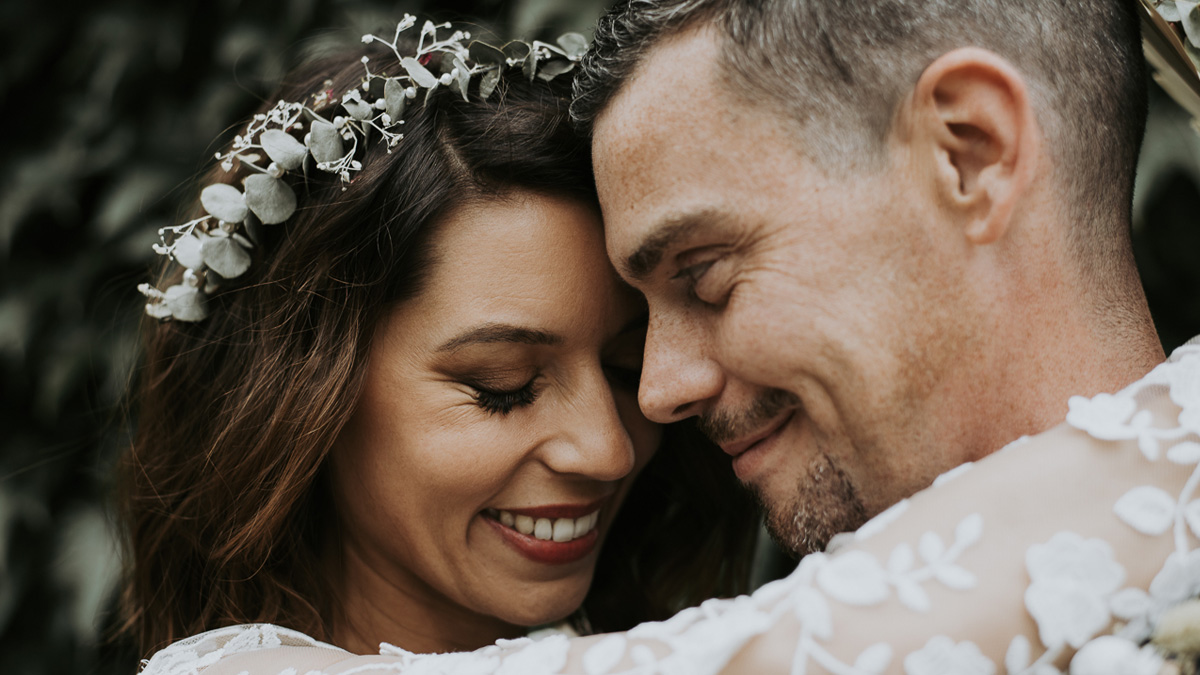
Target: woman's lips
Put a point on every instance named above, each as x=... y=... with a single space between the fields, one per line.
x=544 y=540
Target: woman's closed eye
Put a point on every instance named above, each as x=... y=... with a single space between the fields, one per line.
x=503 y=401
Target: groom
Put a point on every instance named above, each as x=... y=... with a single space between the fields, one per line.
x=878 y=239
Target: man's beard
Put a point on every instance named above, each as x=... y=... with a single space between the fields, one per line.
x=825 y=501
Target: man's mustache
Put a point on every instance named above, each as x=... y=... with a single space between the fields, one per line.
x=722 y=426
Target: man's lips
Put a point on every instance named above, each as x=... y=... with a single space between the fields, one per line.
x=735 y=448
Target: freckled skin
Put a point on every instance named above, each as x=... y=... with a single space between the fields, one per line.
x=910 y=346
x=420 y=459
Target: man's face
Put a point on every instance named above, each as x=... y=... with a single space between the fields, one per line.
x=804 y=317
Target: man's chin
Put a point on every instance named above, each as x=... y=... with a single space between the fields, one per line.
x=823 y=503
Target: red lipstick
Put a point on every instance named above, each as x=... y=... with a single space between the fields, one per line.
x=547 y=552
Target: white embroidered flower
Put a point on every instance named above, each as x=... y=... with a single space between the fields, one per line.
x=942 y=656
x=855 y=578
x=1147 y=509
x=1178 y=580
x=1071 y=581
x=1184 y=379
x=1104 y=417
x=1111 y=655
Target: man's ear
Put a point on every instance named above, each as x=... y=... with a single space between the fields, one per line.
x=977 y=135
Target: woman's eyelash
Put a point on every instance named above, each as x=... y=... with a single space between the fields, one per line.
x=504 y=401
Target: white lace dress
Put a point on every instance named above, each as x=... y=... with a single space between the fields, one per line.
x=1075 y=540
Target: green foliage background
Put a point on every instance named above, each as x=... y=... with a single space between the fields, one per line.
x=110 y=108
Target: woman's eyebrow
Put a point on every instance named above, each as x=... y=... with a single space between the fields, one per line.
x=500 y=332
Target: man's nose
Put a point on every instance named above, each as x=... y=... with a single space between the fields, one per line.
x=678 y=376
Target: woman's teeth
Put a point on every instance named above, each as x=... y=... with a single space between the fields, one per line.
x=546 y=529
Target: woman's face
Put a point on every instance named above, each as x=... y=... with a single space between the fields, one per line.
x=498 y=429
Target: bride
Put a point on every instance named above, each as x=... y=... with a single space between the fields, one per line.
x=392 y=395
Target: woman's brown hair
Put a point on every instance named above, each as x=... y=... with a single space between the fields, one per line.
x=223 y=494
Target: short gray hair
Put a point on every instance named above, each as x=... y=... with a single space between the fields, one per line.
x=840 y=68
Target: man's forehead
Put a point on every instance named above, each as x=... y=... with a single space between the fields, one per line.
x=652 y=132
x=662 y=93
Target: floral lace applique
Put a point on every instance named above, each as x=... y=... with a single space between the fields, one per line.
x=192 y=655
x=1075 y=588
x=1147 y=509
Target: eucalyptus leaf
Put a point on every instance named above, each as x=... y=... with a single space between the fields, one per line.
x=358 y=108
x=186 y=303
x=482 y=52
x=552 y=69
x=530 y=66
x=324 y=142
x=393 y=96
x=1168 y=10
x=574 y=44
x=225 y=257
x=1190 y=18
x=187 y=251
x=463 y=81
x=517 y=50
x=254 y=229
x=224 y=202
x=487 y=83
x=419 y=73
x=272 y=200
x=283 y=149
x=158 y=310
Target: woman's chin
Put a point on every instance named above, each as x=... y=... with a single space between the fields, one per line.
x=545 y=606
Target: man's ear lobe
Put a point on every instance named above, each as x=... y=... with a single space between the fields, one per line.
x=981 y=136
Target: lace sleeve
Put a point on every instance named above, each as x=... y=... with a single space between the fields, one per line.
x=1009 y=566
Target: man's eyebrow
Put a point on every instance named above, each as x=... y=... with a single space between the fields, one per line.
x=649 y=254
x=499 y=332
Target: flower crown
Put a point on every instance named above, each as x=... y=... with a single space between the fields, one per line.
x=216 y=247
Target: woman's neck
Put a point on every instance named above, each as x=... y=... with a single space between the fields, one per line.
x=375 y=607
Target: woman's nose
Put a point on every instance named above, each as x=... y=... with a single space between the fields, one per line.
x=593 y=441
